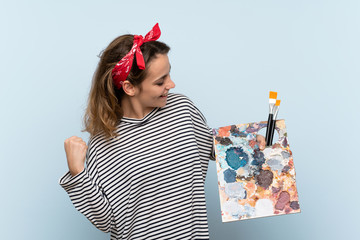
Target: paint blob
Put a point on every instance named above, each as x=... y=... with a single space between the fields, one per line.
x=224 y=141
x=284 y=199
x=229 y=175
x=235 y=190
x=265 y=178
x=264 y=207
x=295 y=205
x=236 y=157
x=275 y=163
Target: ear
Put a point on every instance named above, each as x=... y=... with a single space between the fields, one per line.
x=129 y=89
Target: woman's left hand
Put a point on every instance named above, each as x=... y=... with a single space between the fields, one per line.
x=260 y=139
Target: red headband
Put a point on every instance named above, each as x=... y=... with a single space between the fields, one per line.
x=123 y=67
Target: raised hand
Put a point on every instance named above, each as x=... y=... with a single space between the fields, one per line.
x=75 y=149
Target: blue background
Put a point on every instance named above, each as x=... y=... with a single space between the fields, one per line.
x=226 y=56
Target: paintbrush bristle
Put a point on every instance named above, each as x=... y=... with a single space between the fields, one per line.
x=277 y=103
x=273 y=95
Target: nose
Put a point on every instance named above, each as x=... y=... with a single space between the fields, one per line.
x=170 y=84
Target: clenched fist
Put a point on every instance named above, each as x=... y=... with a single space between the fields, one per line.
x=75 y=149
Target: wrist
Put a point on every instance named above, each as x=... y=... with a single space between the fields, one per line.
x=76 y=171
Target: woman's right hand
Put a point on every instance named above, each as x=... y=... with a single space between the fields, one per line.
x=75 y=149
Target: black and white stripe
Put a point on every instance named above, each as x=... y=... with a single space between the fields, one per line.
x=149 y=182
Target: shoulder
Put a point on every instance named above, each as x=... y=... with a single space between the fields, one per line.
x=179 y=99
x=99 y=142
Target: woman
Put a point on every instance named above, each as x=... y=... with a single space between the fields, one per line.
x=148 y=151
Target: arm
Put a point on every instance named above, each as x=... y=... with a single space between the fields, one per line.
x=86 y=194
x=204 y=133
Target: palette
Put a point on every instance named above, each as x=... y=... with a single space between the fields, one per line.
x=254 y=183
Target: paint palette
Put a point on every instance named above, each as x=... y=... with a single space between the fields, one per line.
x=254 y=183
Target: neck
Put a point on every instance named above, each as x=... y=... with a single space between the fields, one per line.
x=133 y=108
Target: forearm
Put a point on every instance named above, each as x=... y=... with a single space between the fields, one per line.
x=88 y=199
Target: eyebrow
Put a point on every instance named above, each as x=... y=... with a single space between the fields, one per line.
x=163 y=76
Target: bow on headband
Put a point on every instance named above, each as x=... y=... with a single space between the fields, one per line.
x=123 y=67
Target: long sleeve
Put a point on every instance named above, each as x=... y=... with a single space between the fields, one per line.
x=149 y=182
x=204 y=133
x=86 y=193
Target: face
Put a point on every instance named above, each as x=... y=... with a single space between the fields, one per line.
x=157 y=84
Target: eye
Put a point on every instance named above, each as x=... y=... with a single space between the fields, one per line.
x=160 y=83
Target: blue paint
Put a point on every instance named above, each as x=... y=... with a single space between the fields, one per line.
x=255 y=163
x=244 y=158
x=249 y=210
x=285 y=154
x=275 y=163
x=236 y=158
x=259 y=158
x=236 y=133
x=243 y=162
x=232 y=158
x=223 y=164
x=229 y=175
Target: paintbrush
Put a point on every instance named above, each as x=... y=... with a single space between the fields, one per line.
x=272 y=101
x=275 y=113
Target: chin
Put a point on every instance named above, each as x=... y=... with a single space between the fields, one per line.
x=161 y=103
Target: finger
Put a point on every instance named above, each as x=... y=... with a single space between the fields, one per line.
x=261 y=141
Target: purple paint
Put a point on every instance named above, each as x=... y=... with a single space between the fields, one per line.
x=265 y=178
x=294 y=205
x=284 y=198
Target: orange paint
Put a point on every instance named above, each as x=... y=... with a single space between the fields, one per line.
x=251 y=202
x=250 y=186
x=291 y=163
x=224 y=131
x=252 y=143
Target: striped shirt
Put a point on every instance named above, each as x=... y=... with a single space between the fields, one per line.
x=148 y=183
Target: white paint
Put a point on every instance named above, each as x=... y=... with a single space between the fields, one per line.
x=235 y=190
x=264 y=207
x=232 y=208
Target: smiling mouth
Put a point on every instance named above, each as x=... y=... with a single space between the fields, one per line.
x=164 y=95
